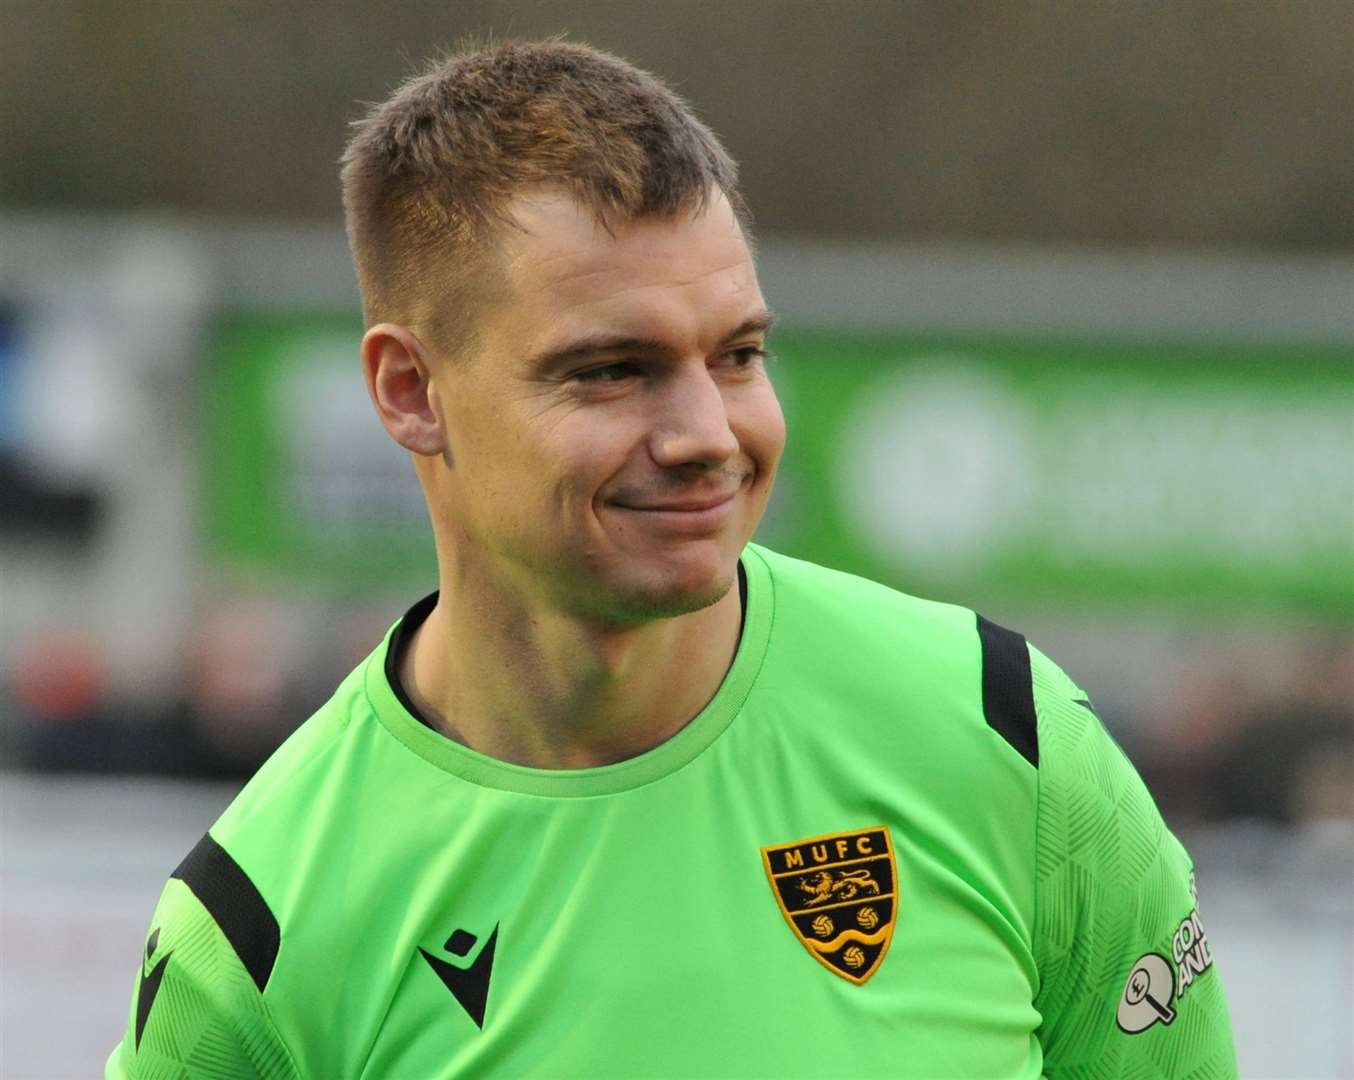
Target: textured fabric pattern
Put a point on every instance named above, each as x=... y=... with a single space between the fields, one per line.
x=1112 y=885
x=208 y=1020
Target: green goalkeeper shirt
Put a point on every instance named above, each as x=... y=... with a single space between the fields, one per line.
x=896 y=843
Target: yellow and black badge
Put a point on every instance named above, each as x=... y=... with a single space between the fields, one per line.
x=839 y=895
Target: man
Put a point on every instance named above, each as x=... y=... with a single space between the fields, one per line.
x=630 y=796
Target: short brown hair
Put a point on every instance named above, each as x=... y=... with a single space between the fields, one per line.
x=428 y=174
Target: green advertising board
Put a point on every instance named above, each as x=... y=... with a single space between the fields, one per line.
x=1091 y=475
x=1087 y=474
x=299 y=479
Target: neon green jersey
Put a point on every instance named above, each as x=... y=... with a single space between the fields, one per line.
x=896 y=843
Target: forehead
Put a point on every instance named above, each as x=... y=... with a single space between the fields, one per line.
x=691 y=274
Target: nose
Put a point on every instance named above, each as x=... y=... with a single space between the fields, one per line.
x=692 y=427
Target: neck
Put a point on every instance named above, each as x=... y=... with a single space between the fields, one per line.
x=540 y=688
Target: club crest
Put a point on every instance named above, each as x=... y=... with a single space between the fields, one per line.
x=839 y=895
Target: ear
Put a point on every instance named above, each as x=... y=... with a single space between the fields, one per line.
x=399 y=381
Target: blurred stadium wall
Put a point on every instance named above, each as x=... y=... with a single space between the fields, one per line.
x=1068 y=296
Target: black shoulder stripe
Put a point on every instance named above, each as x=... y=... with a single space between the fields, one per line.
x=1008 y=689
x=232 y=900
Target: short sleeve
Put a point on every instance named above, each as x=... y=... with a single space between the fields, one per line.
x=1128 y=983
x=195 y=1010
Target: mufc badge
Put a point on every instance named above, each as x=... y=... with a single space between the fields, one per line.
x=839 y=894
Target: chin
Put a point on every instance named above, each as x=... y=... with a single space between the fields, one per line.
x=672 y=590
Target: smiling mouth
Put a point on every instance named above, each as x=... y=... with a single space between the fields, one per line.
x=683 y=506
x=691 y=501
x=685 y=516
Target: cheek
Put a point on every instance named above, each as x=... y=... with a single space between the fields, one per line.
x=762 y=429
x=577 y=461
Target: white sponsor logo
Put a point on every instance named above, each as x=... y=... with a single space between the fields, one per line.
x=1153 y=983
x=1147 y=995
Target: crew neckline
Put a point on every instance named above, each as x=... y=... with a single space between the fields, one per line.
x=400 y=717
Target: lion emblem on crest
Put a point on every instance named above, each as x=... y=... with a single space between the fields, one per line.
x=824 y=886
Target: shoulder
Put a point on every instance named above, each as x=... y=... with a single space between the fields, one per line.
x=242 y=870
x=953 y=681
x=297 y=801
x=1080 y=759
x=819 y=604
x=300 y=761
x=198 y=1004
x=219 y=934
x=230 y=870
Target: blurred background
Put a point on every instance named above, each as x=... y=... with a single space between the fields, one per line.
x=1068 y=297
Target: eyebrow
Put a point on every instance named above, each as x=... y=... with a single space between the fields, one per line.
x=555 y=358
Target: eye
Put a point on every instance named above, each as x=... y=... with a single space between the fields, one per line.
x=607 y=372
x=748 y=355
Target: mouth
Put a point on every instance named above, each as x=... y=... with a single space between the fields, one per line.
x=684 y=506
x=690 y=515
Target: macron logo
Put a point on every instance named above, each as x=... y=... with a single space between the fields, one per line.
x=469 y=986
x=150 y=986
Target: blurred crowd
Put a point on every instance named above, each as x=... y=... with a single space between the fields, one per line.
x=251 y=669
x=1267 y=736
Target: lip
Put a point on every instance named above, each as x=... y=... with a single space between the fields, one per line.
x=686 y=506
x=694 y=515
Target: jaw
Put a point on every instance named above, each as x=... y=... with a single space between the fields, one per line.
x=667 y=577
x=680 y=593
